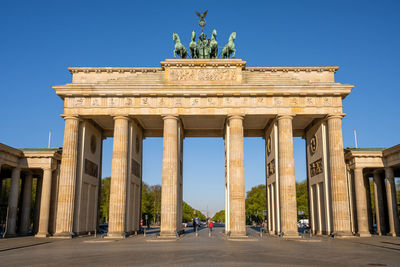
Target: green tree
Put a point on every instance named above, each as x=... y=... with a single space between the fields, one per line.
x=105 y=199
x=147 y=203
x=188 y=213
x=256 y=202
x=155 y=192
x=219 y=216
x=302 y=198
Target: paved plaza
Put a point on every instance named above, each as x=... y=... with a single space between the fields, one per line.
x=200 y=251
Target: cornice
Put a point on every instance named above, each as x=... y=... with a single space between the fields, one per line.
x=74 y=70
x=200 y=63
x=293 y=69
x=203 y=63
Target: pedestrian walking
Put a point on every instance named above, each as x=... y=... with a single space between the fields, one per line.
x=210 y=225
x=194 y=225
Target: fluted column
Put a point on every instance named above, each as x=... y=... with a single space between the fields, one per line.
x=369 y=208
x=170 y=178
x=319 y=209
x=236 y=177
x=44 y=214
x=66 y=190
x=287 y=183
x=13 y=203
x=119 y=175
x=36 y=211
x=1 y=183
x=26 y=205
x=361 y=203
x=391 y=202
x=380 y=215
x=337 y=168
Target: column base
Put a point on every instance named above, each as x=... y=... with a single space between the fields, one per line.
x=290 y=235
x=63 y=235
x=342 y=234
x=116 y=235
x=238 y=235
x=168 y=235
x=364 y=234
x=7 y=235
x=42 y=235
x=392 y=234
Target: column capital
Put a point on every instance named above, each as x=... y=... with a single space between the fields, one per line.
x=236 y=116
x=335 y=116
x=121 y=117
x=48 y=168
x=389 y=173
x=357 y=169
x=170 y=116
x=284 y=116
x=70 y=117
x=28 y=172
x=17 y=168
x=376 y=171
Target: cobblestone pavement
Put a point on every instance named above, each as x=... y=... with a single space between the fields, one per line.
x=200 y=250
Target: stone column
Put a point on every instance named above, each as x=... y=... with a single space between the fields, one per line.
x=1 y=184
x=26 y=205
x=13 y=203
x=170 y=182
x=338 y=182
x=287 y=186
x=380 y=217
x=66 y=190
x=36 y=211
x=119 y=176
x=273 y=210
x=45 y=204
x=369 y=208
x=361 y=203
x=392 y=202
x=319 y=209
x=236 y=177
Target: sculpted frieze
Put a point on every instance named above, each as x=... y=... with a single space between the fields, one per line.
x=203 y=74
x=200 y=101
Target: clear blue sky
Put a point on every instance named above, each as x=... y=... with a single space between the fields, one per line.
x=40 y=39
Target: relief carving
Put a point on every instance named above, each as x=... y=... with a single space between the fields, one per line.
x=310 y=101
x=327 y=101
x=313 y=145
x=269 y=145
x=128 y=101
x=194 y=101
x=136 y=170
x=95 y=101
x=112 y=102
x=91 y=168
x=79 y=101
x=271 y=168
x=316 y=167
x=202 y=75
x=278 y=101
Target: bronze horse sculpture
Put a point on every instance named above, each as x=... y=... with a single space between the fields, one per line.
x=229 y=48
x=179 y=49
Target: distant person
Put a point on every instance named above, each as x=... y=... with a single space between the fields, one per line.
x=210 y=225
x=194 y=225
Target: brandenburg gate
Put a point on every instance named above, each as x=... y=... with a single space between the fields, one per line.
x=201 y=98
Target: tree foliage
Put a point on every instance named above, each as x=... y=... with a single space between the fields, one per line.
x=150 y=204
x=302 y=199
x=219 y=216
x=256 y=202
x=105 y=199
